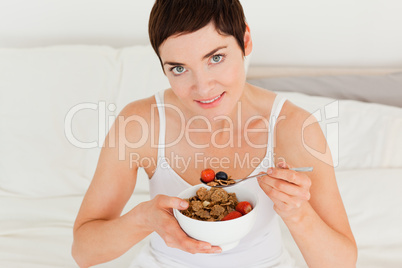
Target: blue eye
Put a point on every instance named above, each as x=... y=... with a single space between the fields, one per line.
x=216 y=58
x=178 y=70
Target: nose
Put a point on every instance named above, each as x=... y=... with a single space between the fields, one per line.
x=203 y=82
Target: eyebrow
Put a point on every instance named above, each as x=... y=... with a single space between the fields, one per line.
x=209 y=54
x=213 y=52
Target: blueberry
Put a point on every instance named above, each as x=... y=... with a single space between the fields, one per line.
x=221 y=176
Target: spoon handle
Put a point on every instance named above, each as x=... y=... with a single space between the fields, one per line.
x=238 y=180
x=302 y=169
x=299 y=169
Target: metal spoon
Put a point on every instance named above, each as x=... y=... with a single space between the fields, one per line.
x=300 y=169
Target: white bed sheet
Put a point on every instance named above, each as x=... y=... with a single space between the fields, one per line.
x=375 y=218
x=37 y=232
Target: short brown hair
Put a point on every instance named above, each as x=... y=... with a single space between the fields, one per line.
x=170 y=17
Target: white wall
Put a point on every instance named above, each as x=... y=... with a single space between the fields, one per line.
x=336 y=32
x=25 y=23
x=285 y=32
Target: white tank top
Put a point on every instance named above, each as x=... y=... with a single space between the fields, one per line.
x=262 y=247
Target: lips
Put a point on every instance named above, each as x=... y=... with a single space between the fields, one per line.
x=211 y=102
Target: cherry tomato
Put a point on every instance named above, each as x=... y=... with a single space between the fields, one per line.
x=232 y=215
x=207 y=175
x=244 y=207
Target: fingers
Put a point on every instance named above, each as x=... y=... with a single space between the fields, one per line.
x=291 y=176
x=282 y=200
x=283 y=164
x=169 y=229
x=175 y=237
x=194 y=246
x=274 y=193
x=169 y=202
x=286 y=188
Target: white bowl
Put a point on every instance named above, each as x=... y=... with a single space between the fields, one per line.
x=225 y=234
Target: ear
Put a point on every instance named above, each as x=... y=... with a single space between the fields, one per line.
x=248 y=43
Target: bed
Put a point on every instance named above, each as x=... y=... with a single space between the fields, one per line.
x=59 y=95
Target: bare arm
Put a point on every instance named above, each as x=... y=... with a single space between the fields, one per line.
x=310 y=204
x=101 y=234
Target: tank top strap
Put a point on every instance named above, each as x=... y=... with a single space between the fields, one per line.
x=275 y=111
x=159 y=98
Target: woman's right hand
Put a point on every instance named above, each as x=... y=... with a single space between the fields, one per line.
x=160 y=218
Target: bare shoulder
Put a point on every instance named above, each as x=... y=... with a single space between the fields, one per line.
x=134 y=128
x=140 y=107
x=299 y=137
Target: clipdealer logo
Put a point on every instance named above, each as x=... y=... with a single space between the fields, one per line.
x=327 y=116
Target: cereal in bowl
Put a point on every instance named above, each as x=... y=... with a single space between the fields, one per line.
x=211 y=205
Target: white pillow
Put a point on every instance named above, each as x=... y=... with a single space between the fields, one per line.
x=140 y=75
x=360 y=135
x=40 y=87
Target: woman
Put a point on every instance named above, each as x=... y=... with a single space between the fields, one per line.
x=210 y=117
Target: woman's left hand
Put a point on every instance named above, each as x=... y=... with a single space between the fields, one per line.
x=288 y=189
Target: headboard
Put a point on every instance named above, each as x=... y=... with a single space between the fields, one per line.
x=313 y=33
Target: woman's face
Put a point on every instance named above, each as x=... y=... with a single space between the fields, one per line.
x=205 y=70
